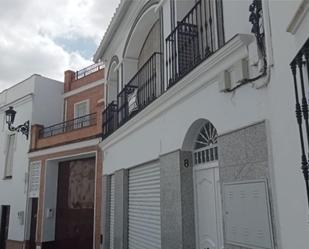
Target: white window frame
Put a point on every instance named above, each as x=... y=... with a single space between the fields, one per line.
x=87 y=101
x=86 y=122
x=9 y=156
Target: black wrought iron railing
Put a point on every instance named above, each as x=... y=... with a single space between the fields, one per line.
x=300 y=72
x=88 y=70
x=194 y=39
x=109 y=119
x=70 y=125
x=127 y=93
x=143 y=88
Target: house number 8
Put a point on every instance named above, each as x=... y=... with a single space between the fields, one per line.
x=186 y=163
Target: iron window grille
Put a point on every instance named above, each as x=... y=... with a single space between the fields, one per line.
x=300 y=72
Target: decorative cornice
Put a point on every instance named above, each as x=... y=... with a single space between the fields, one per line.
x=298 y=17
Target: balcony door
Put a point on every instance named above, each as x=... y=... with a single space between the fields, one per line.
x=4 y=229
x=81 y=110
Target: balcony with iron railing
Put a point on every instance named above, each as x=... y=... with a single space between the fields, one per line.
x=196 y=37
x=143 y=88
x=74 y=130
x=68 y=126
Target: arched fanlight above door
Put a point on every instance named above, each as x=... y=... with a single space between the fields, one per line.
x=205 y=145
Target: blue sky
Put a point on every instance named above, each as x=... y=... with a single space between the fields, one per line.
x=51 y=36
x=85 y=46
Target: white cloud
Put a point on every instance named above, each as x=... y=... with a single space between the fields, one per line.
x=29 y=30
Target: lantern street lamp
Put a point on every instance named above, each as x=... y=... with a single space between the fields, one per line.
x=10 y=117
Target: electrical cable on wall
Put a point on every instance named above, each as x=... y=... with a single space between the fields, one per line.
x=258 y=30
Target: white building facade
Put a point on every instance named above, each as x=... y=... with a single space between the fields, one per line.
x=201 y=147
x=35 y=99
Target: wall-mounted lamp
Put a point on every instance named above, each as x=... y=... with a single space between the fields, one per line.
x=10 y=117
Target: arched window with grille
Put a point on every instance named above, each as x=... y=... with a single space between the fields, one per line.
x=205 y=145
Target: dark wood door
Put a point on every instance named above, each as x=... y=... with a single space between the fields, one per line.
x=34 y=211
x=4 y=230
x=75 y=204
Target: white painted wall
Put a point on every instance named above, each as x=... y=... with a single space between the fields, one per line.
x=50 y=201
x=289 y=184
x=120 y=36
x=29 y=98
x=49 y=92
x=275 y=103
x=13 y=191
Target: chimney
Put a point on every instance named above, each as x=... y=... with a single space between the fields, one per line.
x=69 y=76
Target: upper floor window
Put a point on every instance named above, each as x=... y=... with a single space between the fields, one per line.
x=10 y=148
x=81 y=110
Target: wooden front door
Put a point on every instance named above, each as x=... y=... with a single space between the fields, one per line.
x=4 y=229
x=34 y=211
x=75 y=204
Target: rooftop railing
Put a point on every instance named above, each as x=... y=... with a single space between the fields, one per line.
x=88 y=70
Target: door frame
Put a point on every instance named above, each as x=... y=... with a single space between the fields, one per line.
x=214 y=166
x=5 y=222
x=33 y=200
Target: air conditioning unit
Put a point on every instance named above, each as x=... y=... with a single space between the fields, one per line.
x=233 y=76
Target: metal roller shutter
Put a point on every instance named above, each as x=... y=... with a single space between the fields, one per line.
x=112 y=212
x=144 y=207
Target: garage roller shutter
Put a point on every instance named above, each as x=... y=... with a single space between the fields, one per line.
x=144 y=207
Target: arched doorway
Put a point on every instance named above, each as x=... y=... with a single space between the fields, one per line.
x=207 y=199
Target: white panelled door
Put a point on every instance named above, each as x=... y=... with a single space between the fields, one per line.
x=144 y=207
x=207 y=207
